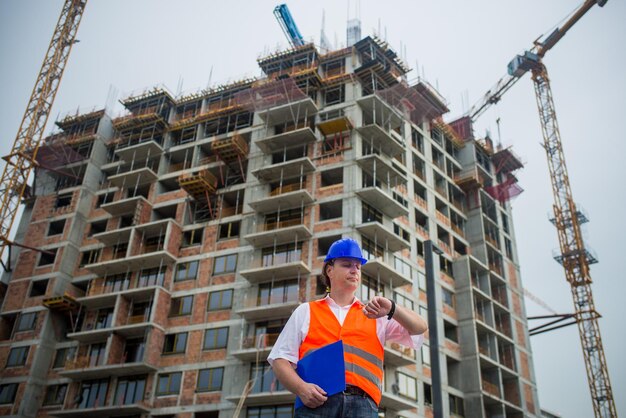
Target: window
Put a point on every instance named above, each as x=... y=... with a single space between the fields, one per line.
x=117 y=282
x=56 y=227
x=281 y=254
x=402 y=300
x=428 y=394
x=369 y=214
x=451 y=331
x=129 y=390
x=134 y=350
x=169 y=384
x=323 y=244
x=26 y=322
x=417 y=140
x=93 y=393
x=181 y=306
x=186 y=271
x=265 y=380
x=447 y=296
x=407 y=386
x=425 y=354
x=104 y=319
x=63 y=200
x=215 y=338
x=421 y=280
x=17 y=356
x=456 y=405
x=7 y=393
x=96 y=354
x=47 y=258
x=229 y=230
x=281 y=411
x=278 y=292
x=63 y=355
x=175 y=343
x=210 y=379
x=331 y=210
x=225 y=264
x=104 y=198
x=89 y=257
x=192 y=237
x=55 y=395
x=370 y=288
x=151 y=277
x=220 y=300
x=38 y=288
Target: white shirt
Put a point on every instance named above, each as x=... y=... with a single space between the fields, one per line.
x=297 y=327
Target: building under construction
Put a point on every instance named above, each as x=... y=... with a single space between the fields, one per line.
x=163 y=250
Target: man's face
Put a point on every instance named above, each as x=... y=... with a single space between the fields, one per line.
x=345 y=273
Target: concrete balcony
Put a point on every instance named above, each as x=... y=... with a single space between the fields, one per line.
x=255 y=308
x=381 y=139
x=124 y=206
x=132 y=263
x=381 y=267
x=138 y=150
x=278 y=233
x=114 y=236
x=383 y=200
x=381 y=235
x=137 y=409
x=259 y=272
x=254 y=347
x=287 y=139
x=264 y=398
x=294 y=110
x=286 y=169
x=81 y=369
x=135 y=326
x=103 y=296
x=396 y=402
x=399 y=355
x=134 y=177
x=381 y=169
x=292 y=196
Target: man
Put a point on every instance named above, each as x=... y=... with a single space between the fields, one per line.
x=363 y=328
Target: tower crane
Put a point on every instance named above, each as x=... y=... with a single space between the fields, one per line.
x=22 y=158
x=567 y=218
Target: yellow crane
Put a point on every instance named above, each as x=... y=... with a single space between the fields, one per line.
x=567 y=218
x=22 y=158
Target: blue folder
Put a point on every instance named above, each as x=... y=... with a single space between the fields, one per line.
x=325 y=367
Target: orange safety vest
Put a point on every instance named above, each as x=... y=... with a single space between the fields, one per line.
x=363 y=352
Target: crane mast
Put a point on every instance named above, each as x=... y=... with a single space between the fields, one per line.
x=574 y=257
x=22 y=158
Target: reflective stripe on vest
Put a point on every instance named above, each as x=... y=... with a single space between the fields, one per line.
x=363 y=353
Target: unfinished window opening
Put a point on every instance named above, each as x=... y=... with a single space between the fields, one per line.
x=164 y=212
x=38 y=288
x=417 y=140
x=192 y=237
x=419 y=245
x=419 y=167
x=454 y=372
x=72 y=179
x=334 y=68
x=370 y=214
x=47 y=258
x=401 y=232
x=334 y=95
x=283 y=219
x=63 y=200
x=153 y=244
x=335 y=143
x=287 y=185
x=142 y=191
x=332 y=177
x=445 y=266
x=331 y=210
x=323 y=244
x=231 y=203
x=56 y=227
x=185 y=135
x=451 y=331
x=97 y=227
x=119 y=251
x=229 y=230
x=105 y=198
x=126 y=221
x=291 y=125
x=289 y=154
x=89 y=257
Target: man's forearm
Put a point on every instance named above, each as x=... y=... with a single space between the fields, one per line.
x=287 y=376
x=410 y=320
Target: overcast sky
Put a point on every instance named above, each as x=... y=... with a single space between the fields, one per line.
x=460 y=46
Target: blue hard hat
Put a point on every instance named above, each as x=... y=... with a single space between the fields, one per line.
x=345 y=248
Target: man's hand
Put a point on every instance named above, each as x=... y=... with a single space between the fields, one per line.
x=312 y=395
x=377 y=307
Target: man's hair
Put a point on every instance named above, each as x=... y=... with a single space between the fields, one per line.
x=325 y=275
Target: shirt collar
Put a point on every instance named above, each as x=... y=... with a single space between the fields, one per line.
x=332 y=302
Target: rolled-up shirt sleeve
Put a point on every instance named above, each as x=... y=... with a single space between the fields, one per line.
x=287 y=345
x=391 y=330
